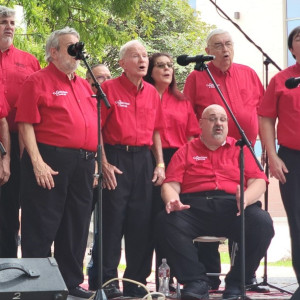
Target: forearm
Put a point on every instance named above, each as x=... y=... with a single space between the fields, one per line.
x=157 y=148
x=27 y=136
x=267 y=135
x=170 y=191
x=5 y=137
x=255 y=188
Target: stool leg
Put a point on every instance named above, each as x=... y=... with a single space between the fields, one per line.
x=233 y=253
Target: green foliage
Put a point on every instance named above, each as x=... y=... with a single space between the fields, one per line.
x=104 y=25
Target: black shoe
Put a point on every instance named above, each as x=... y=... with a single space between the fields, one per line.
x=195 y=290
x=112 y=291
x=80 y=292
x=232 y=291
x=253 y=286
x=135 y=291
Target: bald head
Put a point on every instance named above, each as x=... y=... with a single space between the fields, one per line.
x=214 y=125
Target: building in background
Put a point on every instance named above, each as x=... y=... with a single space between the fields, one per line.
x=267 y=23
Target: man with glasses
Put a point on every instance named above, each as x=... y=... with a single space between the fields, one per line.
x=243 y=92
x=202 y=197
x=101 y=73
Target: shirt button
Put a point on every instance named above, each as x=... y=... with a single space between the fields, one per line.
x=78 y=100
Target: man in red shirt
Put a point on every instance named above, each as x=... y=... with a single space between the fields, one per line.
x=58 y=124
x=129 y=129
x=243 y=92
x=282 y=105
x=15 y=66
x=202 y=193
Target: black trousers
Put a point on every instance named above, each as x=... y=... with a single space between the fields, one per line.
x=216 y=217
x=60 y=215
x=290 y=194
x=127 y=211
x=10 y=204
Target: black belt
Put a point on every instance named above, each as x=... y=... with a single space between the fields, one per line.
x=128 y=148
x=217 y=194
x=84 y=154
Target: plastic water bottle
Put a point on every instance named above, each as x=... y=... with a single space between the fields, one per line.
x=164 y=277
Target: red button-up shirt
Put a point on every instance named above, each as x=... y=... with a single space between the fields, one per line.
x=241 y=89
x=62 y=111
x=15 y=66
x=180 y=119
x=134 y=114
x=284 y=104
x=198 y=168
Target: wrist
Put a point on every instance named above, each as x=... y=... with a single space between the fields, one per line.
x=160 y=165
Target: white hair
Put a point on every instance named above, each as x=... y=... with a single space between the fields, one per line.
x=215 y=32
x=6 y=12
x=126 y=46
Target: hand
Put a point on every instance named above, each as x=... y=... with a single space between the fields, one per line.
x=44 y=174
x=158 y=176
x=4 y=170
x=278 y=168
x=175 y=205
x=109 y=177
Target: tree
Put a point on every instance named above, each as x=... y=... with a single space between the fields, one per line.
x=162 y=25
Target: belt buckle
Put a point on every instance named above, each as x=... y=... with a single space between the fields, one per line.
x=127 y=148
x=86 y=155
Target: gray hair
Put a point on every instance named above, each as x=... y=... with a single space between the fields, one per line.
x=88 y=75
x=53 y=41
x=6 y=12
x=215 y=32
x=126 y=46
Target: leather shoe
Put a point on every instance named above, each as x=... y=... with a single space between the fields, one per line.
x=232 y=291
x=112 y=291
x=195 y=290
x=253 y=286
x=133 y=290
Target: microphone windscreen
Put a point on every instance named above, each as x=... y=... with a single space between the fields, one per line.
x=71 y=50
x=291 y=83
x=182 y=61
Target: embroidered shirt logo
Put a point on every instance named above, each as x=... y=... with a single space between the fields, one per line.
x=197 y=158
x=60 y=93
x=211 y=85
x=121 y=103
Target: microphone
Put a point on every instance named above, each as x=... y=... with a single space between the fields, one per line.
x=75 y=49
x=292 y=82
x=184 y=59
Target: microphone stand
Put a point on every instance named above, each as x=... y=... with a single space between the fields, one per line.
x=241 y=143
x=266 y=63
x=100 y=294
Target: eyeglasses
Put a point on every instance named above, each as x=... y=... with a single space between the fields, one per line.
x=163 y=65
x=215 y=119
x=101 y=79
x=220 y=46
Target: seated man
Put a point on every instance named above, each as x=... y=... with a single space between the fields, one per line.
x=202 y=196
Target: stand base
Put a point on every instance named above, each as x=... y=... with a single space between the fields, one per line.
x=253 y=287
x=100 y=295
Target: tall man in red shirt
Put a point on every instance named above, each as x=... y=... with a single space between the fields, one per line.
x=202 y=193
x=129 y=128
x=15 y=67
x=58 y=124
x=281 y=105
x=243 y=92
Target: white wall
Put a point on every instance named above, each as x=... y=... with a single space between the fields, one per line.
x=262 y=20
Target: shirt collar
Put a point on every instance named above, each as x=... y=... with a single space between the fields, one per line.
x=60 y=75
x=129 y=85
x=218 y=71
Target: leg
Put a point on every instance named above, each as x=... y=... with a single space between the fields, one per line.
x=258 y=234
x=137 y=229
x=10 y=205
x=290 y=194
x=71 y=238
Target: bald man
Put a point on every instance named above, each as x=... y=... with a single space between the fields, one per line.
x=202 y=197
